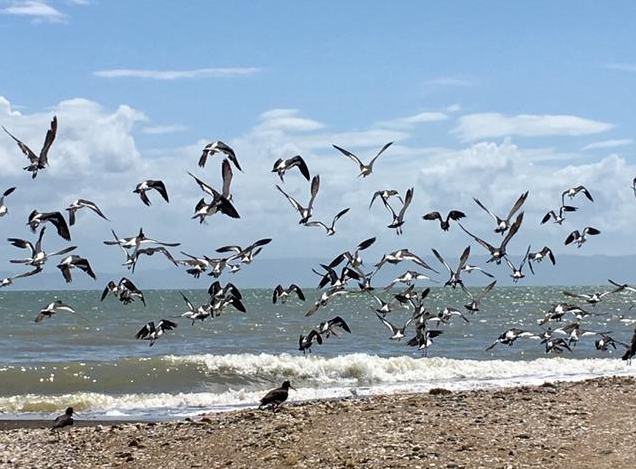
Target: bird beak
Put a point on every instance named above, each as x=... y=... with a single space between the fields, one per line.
x=293 y=387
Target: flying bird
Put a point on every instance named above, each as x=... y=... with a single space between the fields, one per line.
x=365 y=169
x=508 y=337
x=281 y=166
x=398 y=219
x=219 y=203
x=571 y=192
x=517 y=274
x=454 y=279
x=580 y=238
x=36 y=162
x=497 y=254
x=329 y=327
x=331 y=228
x=3 y=207
x=306 y=342
x=56 y=218
x=473 y=306
x=283 y=293
x=558 y=219
x=75 y=261
x=397 y=332
x=504 y=224
x=149 y=184
x=53 y=308
x=445 y=223
x=305 y=213
x=38 y=256
x=385 y=195
x=539 y=256
x=218 y=147
x=80 y=203
x=125 y=291
x=152 y=333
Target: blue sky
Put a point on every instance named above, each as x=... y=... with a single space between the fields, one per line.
x=483 y=99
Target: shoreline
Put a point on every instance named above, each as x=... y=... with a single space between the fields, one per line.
x=562 y=424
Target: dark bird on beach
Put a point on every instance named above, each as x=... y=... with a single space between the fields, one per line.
x=331 y=230
x=580 y=238
x=497 y=254
x=445 y=223
x=558 y=219
x=75 y=261
x=152 y=333
x=64 y=420
x=631 y=350
x=276 y=397
x=304 y=212
x=571 y=192
x=218 y=147
x=3 y=207
x=56 y=218
x=365 y=169
x=281 y=166
x=36 y=162
x=306 y=342
x=80 y=203
x=504 y=224
x=282 y=294
x=149 y=184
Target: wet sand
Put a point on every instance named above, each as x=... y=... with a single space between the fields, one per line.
x=588 y=424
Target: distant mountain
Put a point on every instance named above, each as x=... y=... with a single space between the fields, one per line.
x=266 y=273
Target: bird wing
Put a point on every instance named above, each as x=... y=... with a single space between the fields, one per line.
x=407 y=201
x=463 y=259
x=338 y=215
x=315 y=185
x=295 y=288
x=302 y=166
x=488 y=247
x=205 y=187
x=160 y=187
x=390 y=326
x=517 y=204
x=512 y=231
x=187 y=302
x=24 y=148
x=432 y=216
x=441 y=259
x=292 y=201
x=350 y=155
x=379 y=153
x=486 y=290
x=60 y=223
x=48 y=141
x=495 y=217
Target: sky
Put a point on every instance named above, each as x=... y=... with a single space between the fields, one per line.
x=483 y=100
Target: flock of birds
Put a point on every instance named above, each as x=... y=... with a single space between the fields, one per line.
x=334 y=276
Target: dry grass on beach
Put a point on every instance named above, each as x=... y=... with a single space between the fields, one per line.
x=588 y=424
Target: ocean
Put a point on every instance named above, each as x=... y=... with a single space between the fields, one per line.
x=97 y=366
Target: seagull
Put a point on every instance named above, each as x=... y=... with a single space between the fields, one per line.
x=37 y=162
x=281 y=166
x=5 y=282
x=219 y=203
x=473 y=307
x=385 y=307
x=149 y=252
x=606 y=341
x=385 y=195
x=329 y=327
x=64 y=420
x=354 y=260
x=135 y=241
x=226 y=177
x=246 y=255
x=407 y=278
x=557 y=312
x=469 y=268
x=573 y=191
x=447 y=313
x=504 y=224
x=197 y=265
x=56 y=218
x=397 y=332
x=579 y=238
x=539 y=256
x=365 y=169
x=621 y=287
x=497 y=254
x=305 y=213
x=74 y=261
x=445 y=223
x=79 y=203
x=151 y=332
x=592 y=299
x=508 y=337
x=398 y=220
x=218 y=147
x=3 y=207
x=454 y=279
x=276 y=397
x=38 y=256
x=423 y=338
x=333 y=279
x=53 y=308
x=400 y=255
x=517 y=274
x=331 y=228
x=125 y=291
x=147 y=185
x=558 y=219
x=305 y=343
x=574 y=332
x=324 y=298
x=194 y=313
x=555 y=345
x=283 y=293
x=631 y=350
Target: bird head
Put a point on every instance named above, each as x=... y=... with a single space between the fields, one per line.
x=287 y=385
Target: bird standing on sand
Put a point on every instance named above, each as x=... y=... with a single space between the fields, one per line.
x=276 y=397
x=64 y=420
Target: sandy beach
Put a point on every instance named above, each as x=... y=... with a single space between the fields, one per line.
x=582 y=424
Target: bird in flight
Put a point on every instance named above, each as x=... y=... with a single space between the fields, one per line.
x=365 y=169
x=41 y=161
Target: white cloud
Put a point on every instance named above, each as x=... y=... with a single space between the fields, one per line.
x=177 y=74
x=450 y=81
x=39 y=11
x=623 y=67
x=494 y=125
x=410 y=121
x=163 y=129
x=286 y=120
x=608 y=144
